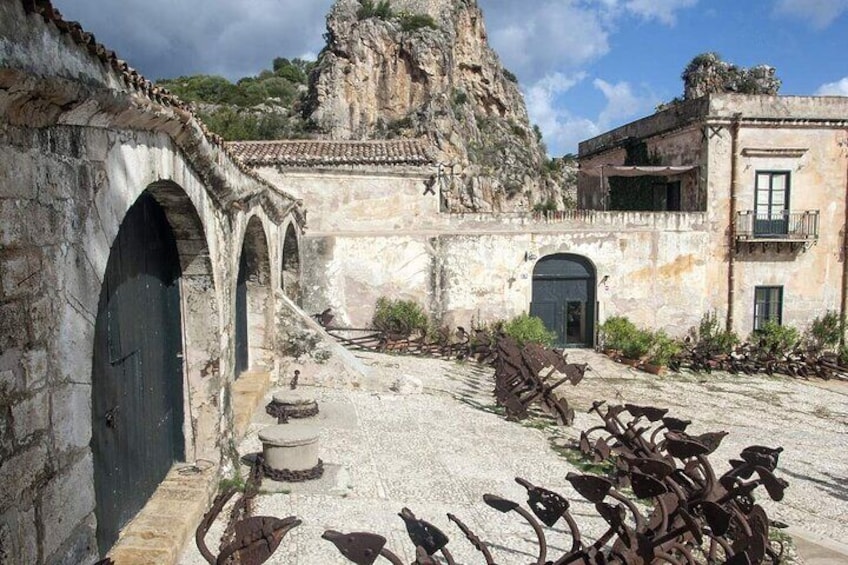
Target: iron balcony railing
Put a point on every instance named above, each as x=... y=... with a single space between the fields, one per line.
x=778 y=226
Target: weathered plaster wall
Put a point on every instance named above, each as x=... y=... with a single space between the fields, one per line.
x=77 y=148
x=361 y=200
x=474 y=268
x=812 y=279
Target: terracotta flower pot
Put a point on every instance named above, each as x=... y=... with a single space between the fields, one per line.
x=654 y=369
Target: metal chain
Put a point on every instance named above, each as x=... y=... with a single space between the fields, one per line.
x=282 y=413
x=289 y=476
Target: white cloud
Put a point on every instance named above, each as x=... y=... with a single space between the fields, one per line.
x=819 y=13
x=535 y=39
x=539 y=38
x=167 y=38
x=662 y=10
x=838 y=88
x=563 y=130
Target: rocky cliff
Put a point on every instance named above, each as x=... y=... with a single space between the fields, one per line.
x=424 y=68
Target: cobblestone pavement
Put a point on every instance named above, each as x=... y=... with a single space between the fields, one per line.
x=436 y=444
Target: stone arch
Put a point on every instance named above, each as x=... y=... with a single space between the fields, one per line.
x=158 y=342
x=254 y=306
x=290 y=272
x=564 y=297
x=201 y=320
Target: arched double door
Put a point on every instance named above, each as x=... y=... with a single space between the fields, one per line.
x=137 y=378
x=564 y=288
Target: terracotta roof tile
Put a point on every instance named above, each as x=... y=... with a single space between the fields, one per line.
x=311 y=153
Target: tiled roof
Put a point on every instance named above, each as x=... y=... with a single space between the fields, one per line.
x=303 y=153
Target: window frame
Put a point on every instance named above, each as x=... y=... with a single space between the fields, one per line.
x=767 y=302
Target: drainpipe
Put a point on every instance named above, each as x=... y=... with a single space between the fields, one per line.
x=734 y=188
x=843 y=305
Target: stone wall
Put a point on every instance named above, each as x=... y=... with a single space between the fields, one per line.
x=78 y=146
x=478 y=269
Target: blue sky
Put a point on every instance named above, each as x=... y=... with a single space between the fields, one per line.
x=585 y=65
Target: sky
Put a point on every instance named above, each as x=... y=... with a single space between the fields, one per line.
x=585 y=66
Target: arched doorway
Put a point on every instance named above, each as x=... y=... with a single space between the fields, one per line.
x=291 y=266
x=137 y=376
x=564 y=298
x=254 y=309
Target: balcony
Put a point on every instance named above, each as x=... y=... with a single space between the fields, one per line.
x=795 y=230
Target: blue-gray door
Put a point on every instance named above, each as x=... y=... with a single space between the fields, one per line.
x=137 y=378
x=564 y=298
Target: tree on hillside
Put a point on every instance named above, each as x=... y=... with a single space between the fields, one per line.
x=254 y=108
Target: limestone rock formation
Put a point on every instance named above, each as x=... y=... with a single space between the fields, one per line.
x=707 y=74
x=424 y=68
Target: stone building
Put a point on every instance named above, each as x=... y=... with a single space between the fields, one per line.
x=729 y=203
x=378 y=226
x=141 y=258
x=769 y=177
x=141 y=269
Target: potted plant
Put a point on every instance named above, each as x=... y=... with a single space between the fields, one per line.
x=663 y=351
x=615 y=332
x=636 y=348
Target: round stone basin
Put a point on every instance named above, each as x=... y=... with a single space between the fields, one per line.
x=297 y=404
x=292 y=447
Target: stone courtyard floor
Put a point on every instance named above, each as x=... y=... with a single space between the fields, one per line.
x=436 y=444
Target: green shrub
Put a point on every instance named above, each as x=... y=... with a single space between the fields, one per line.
x=460 y=97
x=510 y=76
x=616 y=331
x=401 y=317
x=370 y=9
x=825 y=333
x=638 y=344
x=547 y=206
x=712 y=338
x=664 y=349
x=775 y=338
x=843 y=355
x=412 y=22
x=525 y=328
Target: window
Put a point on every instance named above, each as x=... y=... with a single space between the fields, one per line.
x=768 y=305
x=771 y=203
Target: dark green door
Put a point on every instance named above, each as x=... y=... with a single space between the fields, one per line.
x=241 y=317
x=564 y=298
x=137 y=378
